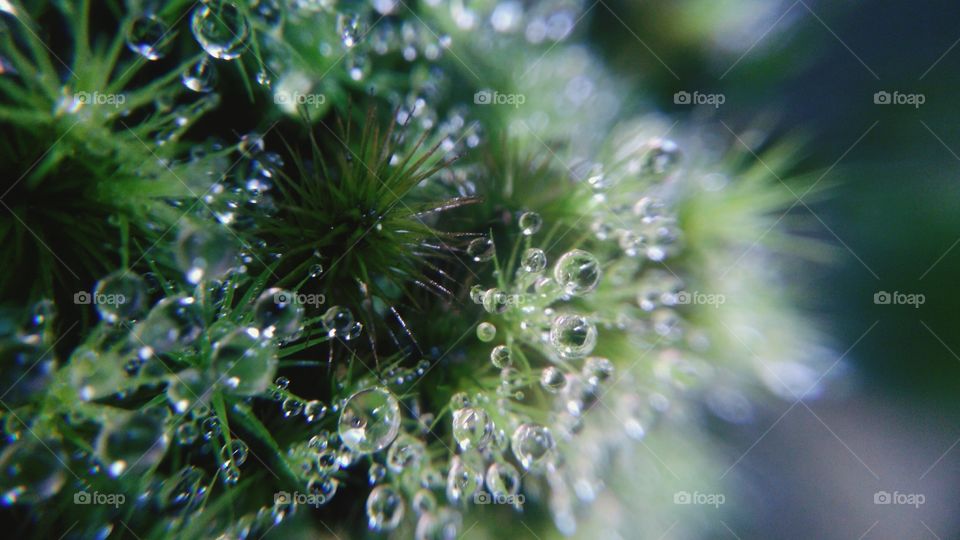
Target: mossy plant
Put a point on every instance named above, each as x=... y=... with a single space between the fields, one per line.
x=395 y=307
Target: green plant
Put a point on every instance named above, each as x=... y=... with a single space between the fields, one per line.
x=376 y=328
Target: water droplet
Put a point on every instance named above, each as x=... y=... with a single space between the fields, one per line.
x=530 y=223
x=350 y=28
x=577 y=272
x=314 y=410
x=376 y=473
x=552 y=379
x=476 y=294
x=496 y=301
x=148 y=36
x=481 y=249
x=503 y=479
x=597 y=370
x=486 y=332
x=663 y=157
x=423 y=502
x=185 y=489
x=220 y=28
x=291 y=407
x=134 y=442
x=472 y=427
x=121 y=295
x=406 y=453
x=204 y=253
x=263 y=79
x=173 y=323
x=316 y=270
x=234 y=453
x=532 y=444
x=337 y=321
x=31 y=471
x=244 y=363
x=323 y=489
x=462 y=480
x=384 y=508
x=277 y=314
x=573 y=336
x=370 y=420
x=200 y=77
x=534 y=261
x=188 y=389
x=187 y=433
x=501 y=357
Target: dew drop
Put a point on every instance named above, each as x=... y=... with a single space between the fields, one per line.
x=552 y=379
x=573 y=336
x=481 y=249
x=662 y=158
x=204 y=253
x=486 y=332
x=503 y=479
x=148 y=36
x=472 y=428
x=384 y=508
x=370 y=420
x=462 y=480
x=220 y=28
x=337 y=321
x=314 y=410
x=577 y=272
x=244 y=363
x=173 y=323
x=277 y=314
x=530 y=223
x=132 y=443
x=120 y=296
x=533 y=261
x=31 y=471
x=200 y=77
x=405 y=453
x=532 y=444
x=501 y=356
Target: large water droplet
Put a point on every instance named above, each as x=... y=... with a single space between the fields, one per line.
x=384 y=508
x=552 y=379
x=277 y=314
x=220 y=28
x=472 y=427
x=148 y=36
x=121 y=295
x=244 y=363
x=200 y=77
x=31 y=471
x=577 y=272
x=481 y=249
x=463 y=480
x=501 y=356
x=532 y=444
x=503 y=480
x=573 y=336
x=133 y=443
x=405 y=453
x=486 y=332
x=173 y=323
x=443 y=524
x=370 y=420
x=534 y=260
x=204 y=253
x=337 y=321
x=530 y=223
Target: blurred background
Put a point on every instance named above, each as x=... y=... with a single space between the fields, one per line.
x=870 y=89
